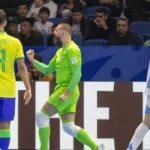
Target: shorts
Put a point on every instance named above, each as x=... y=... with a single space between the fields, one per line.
x=7 y=109
x=64 y=107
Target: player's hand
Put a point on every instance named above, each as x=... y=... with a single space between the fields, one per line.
x=30 y=55
x=27 y=96
x=64 y=97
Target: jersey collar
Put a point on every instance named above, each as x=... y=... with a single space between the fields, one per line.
x=67 y=45
x=2 y=32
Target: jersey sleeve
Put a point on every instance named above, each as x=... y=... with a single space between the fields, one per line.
x=19 y=51
x=46 y=69
x=74 y=56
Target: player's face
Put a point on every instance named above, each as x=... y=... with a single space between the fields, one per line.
x=77 y=16
x=25 y=27
x=122 y=27
x=22 y=10
x=34 y=72
x=53 y=29
x=44 y=16
x=58 y=33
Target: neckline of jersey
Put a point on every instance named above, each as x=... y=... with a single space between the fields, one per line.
x=2 y=32
x=67 y=45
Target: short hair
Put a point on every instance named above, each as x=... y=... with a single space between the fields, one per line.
x=66 y=27
x=102 y=10
x=38 y=57
x=44 y=10
x=12 y=20
x=22 y=3
x=123 y=19
x=29 y=20
x=2 y=16
x=76 y=10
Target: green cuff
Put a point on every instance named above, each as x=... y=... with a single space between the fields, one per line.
x=4 y=133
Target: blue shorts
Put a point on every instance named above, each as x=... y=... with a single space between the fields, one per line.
x=7 y=109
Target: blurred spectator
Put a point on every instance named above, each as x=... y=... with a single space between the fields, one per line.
x=38 y=4
x=146 y=10
x=22 y=11
x=78 y=22
x=147 y=43
x=27 y=36
x=66 y=6
x=133 y=9
x=51 y=40
x=115 y=6
x=102 y=26
x=43 y=26
x=12 y=27
x=34 y=74
x=123 y=36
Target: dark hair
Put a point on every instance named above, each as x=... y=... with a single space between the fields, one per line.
x=29 y=20
x=76 y=10
x=103 y=10
x=45 y=10
x=2 y=16
x=22 y=3
x=123 y=19
x=38 y=57
x=12 y=20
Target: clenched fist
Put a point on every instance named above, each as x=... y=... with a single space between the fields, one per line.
x=30 y=55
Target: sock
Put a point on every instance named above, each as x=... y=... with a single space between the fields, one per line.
x=138 y=136
x=44 y=135
x=4 y=139
x=84 y=138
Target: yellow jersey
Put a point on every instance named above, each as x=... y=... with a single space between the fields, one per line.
x=10 y=50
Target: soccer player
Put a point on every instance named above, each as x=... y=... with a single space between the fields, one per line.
x=10 y=50
x=67 y=64
x=144 y=127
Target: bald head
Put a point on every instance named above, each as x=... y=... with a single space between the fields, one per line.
x=65 y=27
x=2 y=17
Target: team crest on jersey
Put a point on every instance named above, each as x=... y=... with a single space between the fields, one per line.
x=74 y=60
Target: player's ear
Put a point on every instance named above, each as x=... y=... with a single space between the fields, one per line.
x=5 y=23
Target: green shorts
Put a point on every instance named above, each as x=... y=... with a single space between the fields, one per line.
x=64 y=107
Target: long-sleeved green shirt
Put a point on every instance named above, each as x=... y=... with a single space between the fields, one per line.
x=67 y=64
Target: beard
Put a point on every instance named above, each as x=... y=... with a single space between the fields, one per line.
x=58 y=42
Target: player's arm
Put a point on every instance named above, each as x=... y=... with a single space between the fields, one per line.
x=22 y=69
x=45 y=69
x=75 y=61
x=76 y=76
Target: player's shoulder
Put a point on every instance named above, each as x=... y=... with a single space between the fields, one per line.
x=13 y=39
x=73 y=47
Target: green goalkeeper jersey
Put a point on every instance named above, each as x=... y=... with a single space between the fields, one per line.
x=67 y=64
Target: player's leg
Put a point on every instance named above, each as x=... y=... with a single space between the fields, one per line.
x=79 y=133
x=142 y=129
x=51 y=107
x=42 y=119
x=4 y=135
x=5 y=118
